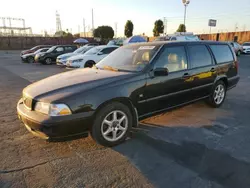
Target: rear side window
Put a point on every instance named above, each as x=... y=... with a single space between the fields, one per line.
x=199 y=56
x=222 y=53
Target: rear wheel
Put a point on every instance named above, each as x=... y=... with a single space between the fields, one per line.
x=89 y=64
x=48 y=61
x=30 y=60
x=218 y=94
x=112 y=124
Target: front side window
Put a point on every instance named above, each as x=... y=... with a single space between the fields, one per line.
x=222 y=53
x=59 y=49
x=199 y=56
x=172 y=58
x=108 y=50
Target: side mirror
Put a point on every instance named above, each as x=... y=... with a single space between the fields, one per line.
x=100 y=53
x=160 y=71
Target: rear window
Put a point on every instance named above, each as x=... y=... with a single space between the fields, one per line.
x=222 y=53
x=199 y=56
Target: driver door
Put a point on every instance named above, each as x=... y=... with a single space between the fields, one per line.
x=165 y=91
x=58 y=51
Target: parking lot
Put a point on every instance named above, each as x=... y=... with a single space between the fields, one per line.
x=194 y=146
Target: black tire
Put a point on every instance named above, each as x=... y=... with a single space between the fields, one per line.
x=30 y=60
x=48 y=61
x=211 y=100
x=89 y=64
x=238 y=53
x=96 y=131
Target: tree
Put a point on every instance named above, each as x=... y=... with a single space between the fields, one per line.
x=104 y=32
x=182 y=28
x=158 y=28
x=129 y=27
x=63 y=34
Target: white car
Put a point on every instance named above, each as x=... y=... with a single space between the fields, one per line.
x=61 y=60
x=91 y=57
x=246 y=47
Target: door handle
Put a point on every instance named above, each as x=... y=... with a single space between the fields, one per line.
x=212 y=70
x=186 y=75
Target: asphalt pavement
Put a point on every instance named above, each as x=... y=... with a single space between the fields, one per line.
x=193 y=147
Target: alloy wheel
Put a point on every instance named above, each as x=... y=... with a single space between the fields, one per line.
x=219 y=94
x=114 y=125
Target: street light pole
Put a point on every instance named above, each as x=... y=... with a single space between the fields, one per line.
x=185 y=3
x=185 y=12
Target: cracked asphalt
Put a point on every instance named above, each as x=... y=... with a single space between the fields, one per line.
x=193 y=147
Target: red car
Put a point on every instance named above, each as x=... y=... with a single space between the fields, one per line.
x=32 y=50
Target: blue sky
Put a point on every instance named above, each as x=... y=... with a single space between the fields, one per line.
x=40 y=15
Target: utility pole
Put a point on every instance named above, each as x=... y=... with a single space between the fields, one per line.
x=165 y=21
x=115 y=29
x=84 y=28
x=92 y=19
x=236 y=27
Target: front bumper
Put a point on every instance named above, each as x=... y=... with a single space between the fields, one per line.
x=61 y=63
x=47 y=127
x=246 y=51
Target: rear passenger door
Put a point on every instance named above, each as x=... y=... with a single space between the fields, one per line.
x=202 y=70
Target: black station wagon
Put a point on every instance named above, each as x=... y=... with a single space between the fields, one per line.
x=133 y=82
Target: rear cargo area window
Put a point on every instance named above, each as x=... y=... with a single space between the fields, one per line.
x=222 y=53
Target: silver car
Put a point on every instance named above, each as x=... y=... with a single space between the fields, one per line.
x=246 y=47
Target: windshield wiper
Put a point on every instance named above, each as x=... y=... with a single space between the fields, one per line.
x=110 y=68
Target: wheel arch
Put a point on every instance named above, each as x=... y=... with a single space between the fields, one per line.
x=222 y=78
x=126 y=101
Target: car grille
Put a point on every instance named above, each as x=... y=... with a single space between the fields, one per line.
x=27 y=102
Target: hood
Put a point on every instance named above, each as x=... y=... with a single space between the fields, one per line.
x=75 y=57
x=66 y=55
x=246 y=47
x=28 y=54
x=69 y=83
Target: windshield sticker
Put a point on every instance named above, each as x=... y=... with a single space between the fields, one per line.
x=146 y=48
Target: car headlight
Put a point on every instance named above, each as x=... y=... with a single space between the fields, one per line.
x=52 y=109
x=59 y=110
x=42 y=107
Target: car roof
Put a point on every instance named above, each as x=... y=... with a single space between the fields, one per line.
x=105 y=46
x=160 y=43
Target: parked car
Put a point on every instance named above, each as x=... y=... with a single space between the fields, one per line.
x=92 y=44
x=132 y=83
x=161 y=38
x=246 y=47
x=91 y=57
x=62 y=59
x=237 y=48
x=30 y=58
x=50 y=56
x=32 y=50
x=116 y=42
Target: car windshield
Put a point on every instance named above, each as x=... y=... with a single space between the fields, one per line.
x=52 y=49
x=79 y=50
x=246 y=44
x=92 y=51
x=34 y=48
x=132 y=58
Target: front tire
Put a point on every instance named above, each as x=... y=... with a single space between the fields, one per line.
x=48 y=61
x=30 y=60
x=218 y=94
x=239 y=53
x=112 y=124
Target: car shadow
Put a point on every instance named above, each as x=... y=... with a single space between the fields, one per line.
x=162 y=162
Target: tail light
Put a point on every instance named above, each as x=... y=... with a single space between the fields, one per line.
x=236 y=64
